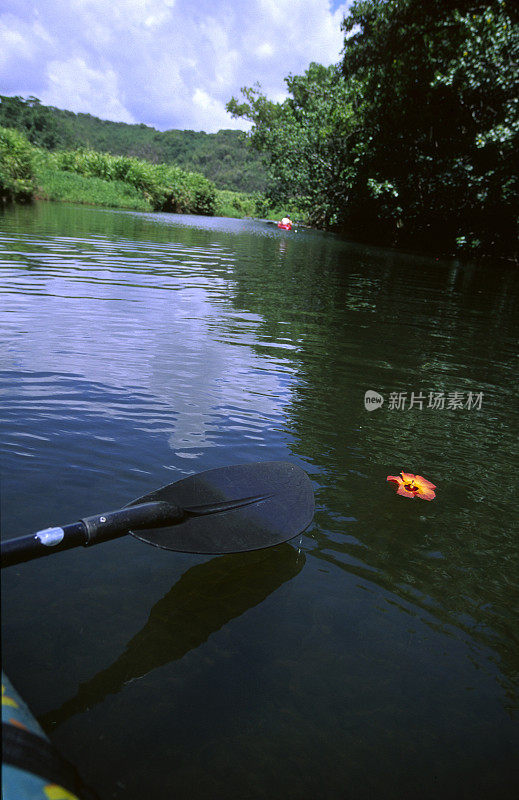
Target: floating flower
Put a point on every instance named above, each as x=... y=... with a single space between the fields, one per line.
x=410 y=485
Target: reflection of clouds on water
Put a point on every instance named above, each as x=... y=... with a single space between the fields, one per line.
x=147 y=317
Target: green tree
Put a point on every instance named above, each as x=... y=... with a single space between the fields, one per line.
x=440 y=120
x=16 y=167
x=309 y=140
x=37 y=122
x=412 y=140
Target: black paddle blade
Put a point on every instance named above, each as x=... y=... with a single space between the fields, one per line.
x=234 y=509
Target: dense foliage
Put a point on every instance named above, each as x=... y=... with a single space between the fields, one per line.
x=71 y=187
x=167 y=188
x=224 y=157
x=412 y=138
x=107 y=180
x=16 y=167
x=440 y=117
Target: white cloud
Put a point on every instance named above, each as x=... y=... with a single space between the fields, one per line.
x=78 y=86
x=21 y=40
x=168 y=63
x=265 y=50
x=13 y=44
x=213 y=112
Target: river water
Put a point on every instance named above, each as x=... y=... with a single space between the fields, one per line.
x=375 y=656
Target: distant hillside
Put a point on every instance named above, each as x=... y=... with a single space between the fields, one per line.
x=223 y=157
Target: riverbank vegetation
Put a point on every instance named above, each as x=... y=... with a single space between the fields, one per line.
x=410 y=140
x=94 y=178
x=72 y=187
x=224 y=157
x=164 y=187
x=17 y=181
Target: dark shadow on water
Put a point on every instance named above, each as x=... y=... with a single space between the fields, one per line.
x=205 y=599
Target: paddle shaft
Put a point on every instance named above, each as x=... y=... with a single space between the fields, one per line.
x=223 y=510
x=89 y=531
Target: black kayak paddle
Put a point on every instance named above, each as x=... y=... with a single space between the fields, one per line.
x=224 y=510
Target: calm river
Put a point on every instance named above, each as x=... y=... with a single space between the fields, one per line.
x=375 y=657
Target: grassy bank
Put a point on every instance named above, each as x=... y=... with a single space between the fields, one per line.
x=100 y=179
x=164 y=188
x=70 y=187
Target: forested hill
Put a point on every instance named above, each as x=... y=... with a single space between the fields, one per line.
x=223 y=157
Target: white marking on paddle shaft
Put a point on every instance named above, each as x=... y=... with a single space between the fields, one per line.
x=50 y=537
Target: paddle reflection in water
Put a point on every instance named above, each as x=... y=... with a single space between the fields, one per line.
x=205 y=599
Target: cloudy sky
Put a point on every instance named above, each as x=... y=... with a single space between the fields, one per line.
x=166 y=63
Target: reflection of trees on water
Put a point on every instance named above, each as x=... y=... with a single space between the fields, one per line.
x=363 y=319
x=432 y=594
x=207 y=597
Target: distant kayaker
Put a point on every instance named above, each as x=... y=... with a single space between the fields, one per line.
x=286 y=220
